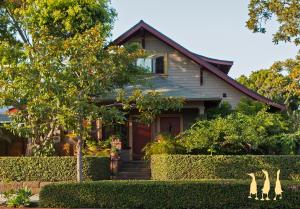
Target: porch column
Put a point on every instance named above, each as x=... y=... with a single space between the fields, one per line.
x=130 y=136
x=201 y=111
x=99 y=134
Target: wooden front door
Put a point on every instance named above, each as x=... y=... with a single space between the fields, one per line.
x=141 y=135
x=170 y=125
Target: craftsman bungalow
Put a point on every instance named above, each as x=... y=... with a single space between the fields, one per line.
x=177 y=72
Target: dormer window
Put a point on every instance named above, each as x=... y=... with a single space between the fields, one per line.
x=154 y=64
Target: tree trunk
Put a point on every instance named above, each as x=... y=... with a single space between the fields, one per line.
x=29 y=147
x=79 y=160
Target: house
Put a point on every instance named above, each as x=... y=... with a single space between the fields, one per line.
x=177 y=72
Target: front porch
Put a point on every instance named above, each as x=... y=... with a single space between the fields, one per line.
x=136 y=135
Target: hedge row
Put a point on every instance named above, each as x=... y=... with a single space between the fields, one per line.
x=213 y=194
x=51 y=169
x=180 y=167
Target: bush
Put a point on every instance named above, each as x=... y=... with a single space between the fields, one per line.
x=52 y=168
x=173 y=167
x=239 y=133
x=18 y=199
x=163 y=195
x=163 y=144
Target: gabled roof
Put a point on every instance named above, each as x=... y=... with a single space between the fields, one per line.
x=208 y=63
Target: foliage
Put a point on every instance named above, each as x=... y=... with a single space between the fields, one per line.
x=162 y=195
x=279 y=83
x=149 y=104
x=18 y=199
x=52 y=168
x=249 y=107
x=163 y=144
x=97 y=148
x=45 y=149
x=222 y=110
x=238 y=133
x=286 y=12
x=184 y=167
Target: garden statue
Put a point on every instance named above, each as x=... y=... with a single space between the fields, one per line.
x=253 y=186
x=278 y=190
x=266 y=188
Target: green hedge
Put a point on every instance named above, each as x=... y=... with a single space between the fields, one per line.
x=214 y=194
x=181 y=167
x=52 y=168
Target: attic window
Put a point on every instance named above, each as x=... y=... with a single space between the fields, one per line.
x=154 y=64
x=201 y=77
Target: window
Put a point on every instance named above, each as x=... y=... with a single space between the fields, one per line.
x=154 y=64
x=158 y=65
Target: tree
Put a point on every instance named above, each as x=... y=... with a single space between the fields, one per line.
x=239 y=133
x=287 y=13
x=65 y=70
x=279 y=83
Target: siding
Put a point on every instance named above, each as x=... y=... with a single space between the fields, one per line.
x=185 y=72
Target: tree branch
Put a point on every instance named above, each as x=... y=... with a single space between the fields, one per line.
x=22 y=34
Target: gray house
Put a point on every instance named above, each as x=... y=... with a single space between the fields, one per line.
x=178 y=72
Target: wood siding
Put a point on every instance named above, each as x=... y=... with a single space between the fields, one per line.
x=185 y=72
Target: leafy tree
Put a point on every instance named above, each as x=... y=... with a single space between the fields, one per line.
x=222 y=110
x=237 y=133
x=279 y=83
x=249 y=107
x=65 y=69
x=286 y=12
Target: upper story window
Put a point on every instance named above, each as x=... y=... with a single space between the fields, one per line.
x=154 y=64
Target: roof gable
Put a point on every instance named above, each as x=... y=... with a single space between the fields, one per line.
x=208 y=63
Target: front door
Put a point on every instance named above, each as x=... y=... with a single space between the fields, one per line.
x=141 y=135
x=170 y=125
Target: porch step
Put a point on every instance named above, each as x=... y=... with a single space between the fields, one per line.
x=134 y=170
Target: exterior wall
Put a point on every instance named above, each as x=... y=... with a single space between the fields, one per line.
x=185 y=72
x=189 y=117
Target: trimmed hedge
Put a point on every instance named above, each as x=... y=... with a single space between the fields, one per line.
x=214 y=194
x=51 y=169
x=181 y=167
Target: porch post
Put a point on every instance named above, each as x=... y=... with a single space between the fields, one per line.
x=99 y=129
x=130 y=136
x=201 y=109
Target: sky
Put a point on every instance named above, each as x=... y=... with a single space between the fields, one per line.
x=214 y=28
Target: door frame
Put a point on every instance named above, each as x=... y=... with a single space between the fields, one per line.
x=180 y=116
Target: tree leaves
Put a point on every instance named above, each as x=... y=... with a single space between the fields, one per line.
x=286 y=12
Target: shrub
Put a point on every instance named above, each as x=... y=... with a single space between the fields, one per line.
x=19 y=198
x=218 y=194
x=173 y=167
x=52 y=168
x=239 y=133
x=163 y=144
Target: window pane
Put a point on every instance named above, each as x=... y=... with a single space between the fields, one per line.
x=159 y=65
x=145 y=63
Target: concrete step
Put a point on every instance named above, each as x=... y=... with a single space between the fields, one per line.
x=133 y=176
x=134 y=170
x=126 y=169
x=134 y=165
